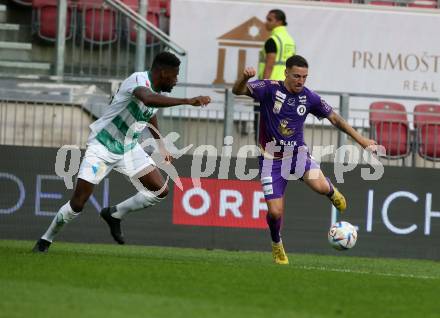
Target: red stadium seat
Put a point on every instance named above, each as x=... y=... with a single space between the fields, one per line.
x=166 y=6
x=427 y=125
x=152 y=16
x=389 y=127
x=98 y=22
x=45 y=19
x=154 y=6
x=133 y=4
x=423 y=4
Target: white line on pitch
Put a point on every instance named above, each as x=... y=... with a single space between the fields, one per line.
x=342 y=270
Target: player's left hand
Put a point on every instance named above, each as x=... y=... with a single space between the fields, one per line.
x=369 y=144
x=249 y=72
x=202 y=101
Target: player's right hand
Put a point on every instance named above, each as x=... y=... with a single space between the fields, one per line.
x=199 y=101
x=249 y=72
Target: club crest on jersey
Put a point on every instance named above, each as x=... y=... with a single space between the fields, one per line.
x=284 y=130
x=301 y=110
x=279 y=100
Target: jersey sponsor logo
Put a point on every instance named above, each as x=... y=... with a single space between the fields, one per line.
x=279 y=100
x=257 y=84
x=268 y=189
x=266 y=180
x=98 y=169
x=280 y=96
x=277 y=107
x=303 y=99
x=284 y=130
x=291 y=101
x=288 y=143
x=301 y=110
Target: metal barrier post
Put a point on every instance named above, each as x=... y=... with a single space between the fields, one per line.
x=61 y=37
x=343 y=111
x=413 y=147
x=141 y=39
x=228 y=122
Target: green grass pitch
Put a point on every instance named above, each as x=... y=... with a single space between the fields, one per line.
x=91 y=280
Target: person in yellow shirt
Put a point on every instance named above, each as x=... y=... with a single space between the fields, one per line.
x=273 y=56
x=277 y=49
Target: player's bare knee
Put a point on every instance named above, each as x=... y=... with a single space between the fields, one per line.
x=78 y=201
x=77 y=204
x=276 y=213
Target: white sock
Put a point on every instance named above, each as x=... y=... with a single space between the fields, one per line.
x=64 y=215
x=136 y=202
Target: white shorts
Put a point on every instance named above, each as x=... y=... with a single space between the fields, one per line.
x=98 y=161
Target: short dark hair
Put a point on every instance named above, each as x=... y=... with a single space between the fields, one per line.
x=165 y=60
x=296 y=60
x=279 y=15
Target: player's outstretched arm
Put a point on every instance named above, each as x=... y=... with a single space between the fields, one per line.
x=240 y=87
x=157 y=100
x=342 y=125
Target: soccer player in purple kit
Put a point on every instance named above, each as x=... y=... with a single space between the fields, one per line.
x=284 y=106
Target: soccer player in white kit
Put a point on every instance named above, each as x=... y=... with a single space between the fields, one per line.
x=113 y=144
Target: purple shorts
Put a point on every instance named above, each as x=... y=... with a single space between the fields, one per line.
x=275 y=173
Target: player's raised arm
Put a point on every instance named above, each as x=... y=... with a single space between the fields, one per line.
x=342 y=125
x=240 y=87
x=161 y=101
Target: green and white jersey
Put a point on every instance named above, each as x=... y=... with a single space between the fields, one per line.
x=121 y=124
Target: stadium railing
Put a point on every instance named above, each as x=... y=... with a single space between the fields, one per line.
x=54 y=124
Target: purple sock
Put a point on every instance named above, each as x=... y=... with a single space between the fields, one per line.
x=330 y=193
x=275 y=228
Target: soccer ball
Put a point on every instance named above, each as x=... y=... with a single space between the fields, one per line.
x=342 y=235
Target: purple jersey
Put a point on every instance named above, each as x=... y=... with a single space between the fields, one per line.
x=282 y=114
